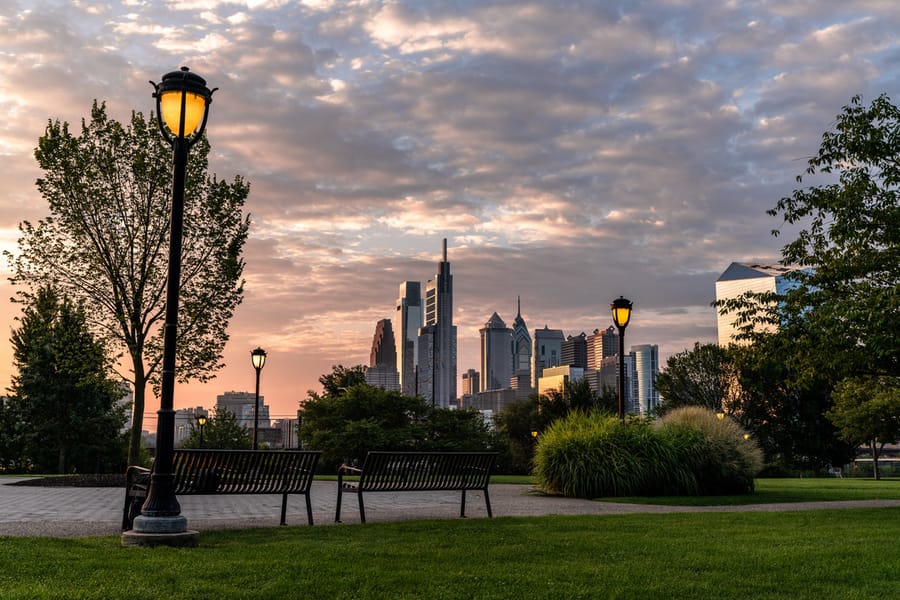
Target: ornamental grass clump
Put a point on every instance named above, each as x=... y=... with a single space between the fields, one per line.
x=720 y=457
x=589 y=455
x=690 y=452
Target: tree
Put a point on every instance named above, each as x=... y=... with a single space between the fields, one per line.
x=345 y=426
x=850 y=245
x=347 y=422
x=839 y=315
x=105 y=243
x=341 y=379
x=68 y=406
x=785 y=410
x=867 y=411
x=222 y=431
x=703 y=376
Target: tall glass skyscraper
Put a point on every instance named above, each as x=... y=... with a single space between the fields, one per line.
x=406 y=336
x=437 y=339
x=646 y=368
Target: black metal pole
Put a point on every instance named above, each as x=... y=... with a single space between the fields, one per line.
x=621 y=374
x=161 y=500
x=256 y=412
x=201 y=436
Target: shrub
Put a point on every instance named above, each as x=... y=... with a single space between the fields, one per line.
x=715 y=450
x=689 y=452
x=587 y=455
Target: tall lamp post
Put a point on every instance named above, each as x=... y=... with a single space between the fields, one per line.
x=201 y=422
x=182 y=107
x=621 y=312
x=258 y=357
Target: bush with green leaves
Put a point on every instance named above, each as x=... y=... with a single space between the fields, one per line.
x=716 y=451
x=588 y=455
x=690 y=452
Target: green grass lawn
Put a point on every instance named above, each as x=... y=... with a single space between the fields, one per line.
x=770 y=491
x=813 y=554
x=799 y=554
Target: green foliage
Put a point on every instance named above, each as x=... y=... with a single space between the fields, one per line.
x=703 y=376
x=222 y=431
x=715 y=451
x=587 y=455
x=851 y=241
x=347 y=422
x=867 y=411
x=838 y=317
x=64 y=407
x=690 y=452
x=785 y=410
x=105 y=243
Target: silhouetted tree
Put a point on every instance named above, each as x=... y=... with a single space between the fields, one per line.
x=105 y=243
x=222 y=431
x=65 y=404
x=703 y=376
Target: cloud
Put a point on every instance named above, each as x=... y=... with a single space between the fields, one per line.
x=570 y=152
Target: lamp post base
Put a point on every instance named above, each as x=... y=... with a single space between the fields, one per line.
x=161 y=531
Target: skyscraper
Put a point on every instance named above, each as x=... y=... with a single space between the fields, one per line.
x=740 y=278
x=521 y=355
x=646 y=368
x=574 y=351
x=547 y=352
x=409 y=321
x=496 y=354
x=601 y=344
x=382 y=371
x=384 y=351
x=437 y=339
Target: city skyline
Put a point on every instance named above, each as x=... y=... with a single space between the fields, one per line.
x=569 y=153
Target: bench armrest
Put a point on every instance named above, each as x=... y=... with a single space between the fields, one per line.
x=346 y=469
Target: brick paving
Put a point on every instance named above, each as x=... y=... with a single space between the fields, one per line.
x=80 y=512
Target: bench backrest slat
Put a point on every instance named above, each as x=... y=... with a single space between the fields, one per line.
x=209 y=471
x=423 y=471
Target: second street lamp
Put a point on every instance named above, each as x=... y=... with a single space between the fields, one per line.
x=201 y=422
x=258 y=357
x=621 y=313
x=182 y=106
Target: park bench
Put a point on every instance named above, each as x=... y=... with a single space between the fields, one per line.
x=418 y=472
x=207 y=471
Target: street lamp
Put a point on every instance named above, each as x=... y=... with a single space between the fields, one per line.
x=182 y=106
x=621 y=312
x=201 y=421
x=258 y=357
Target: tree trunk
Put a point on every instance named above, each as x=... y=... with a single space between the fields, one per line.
x=61 y=460
x=874 y=448
x=137 y=413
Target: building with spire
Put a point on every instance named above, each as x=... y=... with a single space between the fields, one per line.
x=406 y=337
x=496 y=354
x=437 y=339
x=521 y=381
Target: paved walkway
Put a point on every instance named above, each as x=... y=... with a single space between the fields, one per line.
x=80 y=512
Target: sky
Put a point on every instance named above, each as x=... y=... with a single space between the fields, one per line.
x=570 y=152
